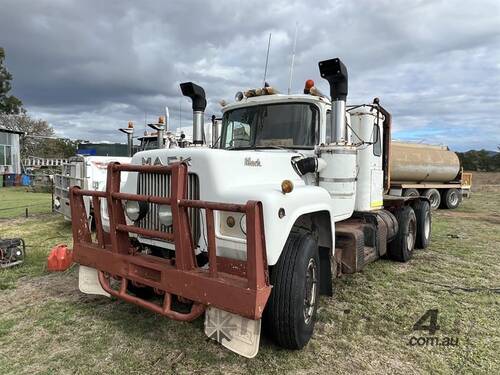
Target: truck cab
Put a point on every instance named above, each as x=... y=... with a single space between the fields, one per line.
x=292 y=197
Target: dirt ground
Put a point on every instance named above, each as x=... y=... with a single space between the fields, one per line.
x=47 y=326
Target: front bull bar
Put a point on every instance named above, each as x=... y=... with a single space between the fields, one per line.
x=240 y=287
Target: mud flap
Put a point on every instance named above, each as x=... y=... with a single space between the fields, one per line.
x=88 y=281
x=236 y=333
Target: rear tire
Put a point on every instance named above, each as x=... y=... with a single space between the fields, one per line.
x=292 y=306
x=434 y=198
x=401 y=247
x=424 y=223
x=451 y=199
x=411 y=193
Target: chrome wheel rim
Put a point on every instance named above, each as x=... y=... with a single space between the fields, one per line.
x=310 y=290
x=410 y=238
x=427 y=225
x=434 y=200
x=453 y=198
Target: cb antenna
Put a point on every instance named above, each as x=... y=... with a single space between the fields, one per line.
x=293 y=58
x=267 y=59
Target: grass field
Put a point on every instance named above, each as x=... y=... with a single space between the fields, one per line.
x=15 y=200
x=47 y=326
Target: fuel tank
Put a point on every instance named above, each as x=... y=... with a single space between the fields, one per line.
x=415 y=163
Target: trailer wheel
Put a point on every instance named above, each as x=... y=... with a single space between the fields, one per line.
x=422 y=210
x=291 y=310
x=410 y=193
x=434 y=197
x=451 y=199
x=401 y=247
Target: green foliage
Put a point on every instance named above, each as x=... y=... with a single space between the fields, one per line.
x=482 y=160
x=39 y=139
x=8 y=103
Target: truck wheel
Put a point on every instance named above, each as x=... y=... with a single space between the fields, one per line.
x=291 y=310
x=451 y=198
x=424 y=223
x=411 y=193
x=401 y=247
x=434 y=197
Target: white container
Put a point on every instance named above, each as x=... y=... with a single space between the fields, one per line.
x=339 y=177
x=369 y=184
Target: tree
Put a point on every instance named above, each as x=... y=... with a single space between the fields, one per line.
x=8 y=103
x=39 y=138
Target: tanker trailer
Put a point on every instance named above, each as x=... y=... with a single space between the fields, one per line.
x=431 y=171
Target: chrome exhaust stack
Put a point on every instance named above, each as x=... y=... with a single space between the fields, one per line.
x=129 y=130
x=197 y=95
x=335 y=72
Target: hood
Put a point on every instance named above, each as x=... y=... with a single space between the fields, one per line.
x=223 y=171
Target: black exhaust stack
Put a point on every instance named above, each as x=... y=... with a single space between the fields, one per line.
x=197 y=95
x=335 y=72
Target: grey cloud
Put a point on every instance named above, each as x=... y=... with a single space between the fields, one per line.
x=89 y=67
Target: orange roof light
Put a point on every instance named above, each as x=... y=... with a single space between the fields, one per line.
x=130 y=125
x=309 y=84
x=161 y=120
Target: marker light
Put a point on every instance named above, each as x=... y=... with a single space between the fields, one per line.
x=230 y=221
x=161 y=120
x=286 y=186
x=308 y=85
x=238 y=96
x=130 y=125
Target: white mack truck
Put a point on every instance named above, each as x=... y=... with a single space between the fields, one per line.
x=259 y=227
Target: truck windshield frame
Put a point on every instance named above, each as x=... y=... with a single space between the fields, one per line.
x=271 y=125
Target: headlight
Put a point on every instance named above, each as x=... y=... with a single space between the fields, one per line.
x=136 y=210
x=165 y=215
x=243 y=224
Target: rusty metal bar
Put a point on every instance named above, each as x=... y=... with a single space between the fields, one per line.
x=96 y=203
x=145 y=232
x=212 y=249
x=120 y=241
x=184 y=253
x=142 y=198
x=196 y=310
x=81 y=231
x=231 y=207
x=91 y=193
x=256 y=252
x=161 y=169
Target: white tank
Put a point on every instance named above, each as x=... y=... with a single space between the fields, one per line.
x=370 y=176
x=339 y=178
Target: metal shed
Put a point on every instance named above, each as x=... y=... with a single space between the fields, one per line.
x=10 y=151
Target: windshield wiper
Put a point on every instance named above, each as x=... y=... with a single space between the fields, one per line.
x=270 y=146
x=260 y=147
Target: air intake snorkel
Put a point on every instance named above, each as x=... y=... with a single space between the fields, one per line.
x=197 y=95
x=335 y=72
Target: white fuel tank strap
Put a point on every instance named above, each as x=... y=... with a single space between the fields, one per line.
x=346 y=179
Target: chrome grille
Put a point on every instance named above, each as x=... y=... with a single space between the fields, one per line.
x=159 y=185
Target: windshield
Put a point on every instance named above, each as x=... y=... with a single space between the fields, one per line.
x=287 y=125
x=149 y=144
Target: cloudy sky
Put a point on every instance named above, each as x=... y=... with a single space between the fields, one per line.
x=88 y=67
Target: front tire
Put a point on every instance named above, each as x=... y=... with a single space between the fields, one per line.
x=292 y=306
